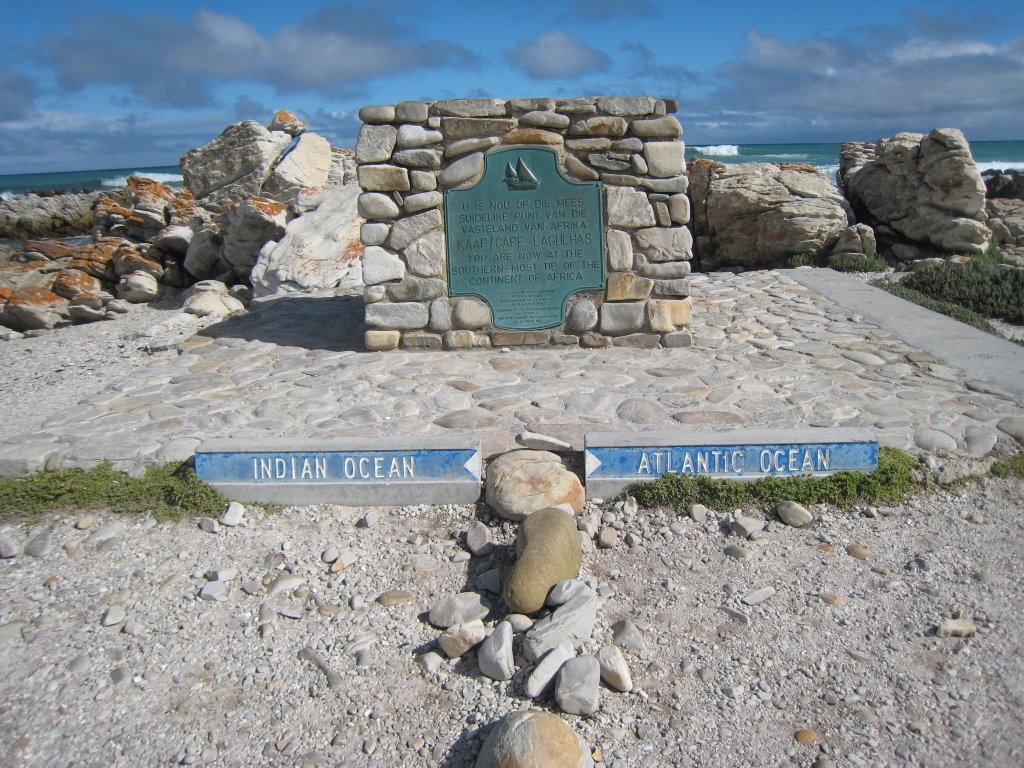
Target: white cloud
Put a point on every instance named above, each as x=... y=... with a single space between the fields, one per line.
x=551 y=55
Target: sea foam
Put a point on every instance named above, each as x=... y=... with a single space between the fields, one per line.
x=719 y=150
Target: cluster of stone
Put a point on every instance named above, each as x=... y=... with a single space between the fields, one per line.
x=408 y=154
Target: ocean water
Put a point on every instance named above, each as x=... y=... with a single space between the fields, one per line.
x=15 y=185
x=988 y=155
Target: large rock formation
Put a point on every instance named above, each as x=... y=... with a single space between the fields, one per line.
x=233 y=166
x=761 y=214
x=320 y=249
x=923 y=189
x=55 y=216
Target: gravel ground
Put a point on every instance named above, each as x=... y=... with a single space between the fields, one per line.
x=46 y=373
x=845 y=651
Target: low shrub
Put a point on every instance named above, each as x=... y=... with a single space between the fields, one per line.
x=978 y=285
x=895 y=478
x=166 y=492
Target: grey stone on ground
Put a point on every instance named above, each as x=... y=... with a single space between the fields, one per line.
x=233 y=514
x=793 y=514
x=544 y=673
x=626 y=634
x=114 y=615
x=38 y=544
x=462 y=637
x=572 y=622
x=458 y=609
x=495 y=654
x=745 y=526
x=758 y=596
x=614 y=669
x=478 y=539
x=7 y=549
x=577 y=687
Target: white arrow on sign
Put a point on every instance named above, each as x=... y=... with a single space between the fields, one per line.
x=474 y=465
x=592 y=463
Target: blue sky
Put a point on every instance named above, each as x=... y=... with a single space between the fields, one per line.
x=102 y=85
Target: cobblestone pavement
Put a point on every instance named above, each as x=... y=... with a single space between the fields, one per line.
x=767 y=352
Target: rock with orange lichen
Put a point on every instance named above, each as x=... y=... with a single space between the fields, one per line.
x=132 y=257
x=31 y=309
x=288 y=122
x=320 y=249
x=234 y=165
x=72 y=283
x=97 y=259
x=249 y=226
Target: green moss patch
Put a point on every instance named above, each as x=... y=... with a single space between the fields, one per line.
x=166 y=493
x=895 y=479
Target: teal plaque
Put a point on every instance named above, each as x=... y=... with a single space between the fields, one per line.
x=525 y=238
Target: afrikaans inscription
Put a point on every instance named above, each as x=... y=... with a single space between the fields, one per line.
x=525 y=238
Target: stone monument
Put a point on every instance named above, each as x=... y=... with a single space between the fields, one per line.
x=524 y=222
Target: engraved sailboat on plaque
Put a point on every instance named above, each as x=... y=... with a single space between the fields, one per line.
x=520 y=177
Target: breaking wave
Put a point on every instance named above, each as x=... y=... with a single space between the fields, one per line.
x=719 y=150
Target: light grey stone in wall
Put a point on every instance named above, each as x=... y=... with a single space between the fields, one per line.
x=620 y=251
x=668 y=270
x=600 y=126
x=372 y=293
x=418 y=158
x=627 y=105
x=639 y=164
x=381 y=265
x=679 y=209
x=375 y=143
x=462 y=170
x=665 y=243
x=374 y=205
x=411 y=112
x=402 y=316
x=576 y=106
x=455 y=128
x=471 y=314
x=545 y=120
x=630 y=144
x=383 y=178
x=580 y=170
x=381 y=114
x=622 y=180
x=680 y=288
x=412 y=228
x=423 y=201
x=423 y=181
x=620 y=318
x=481 y=144
x=417 y=136
x=374 y=233
x=440 y=315
x=531 y=105
x=661 y=213
x=667 y=127
x=425 y=256
x=628 y=208
x=470 y=108
x=610 y=161
x=665 y=158
x=674 y=185
x=589 y=145
x=413 y=288
x=582 y=316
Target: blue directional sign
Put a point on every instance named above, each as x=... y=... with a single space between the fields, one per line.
x=364 y=472
x=615 y=461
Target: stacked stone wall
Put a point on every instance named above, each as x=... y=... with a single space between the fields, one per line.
x=409 y=154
